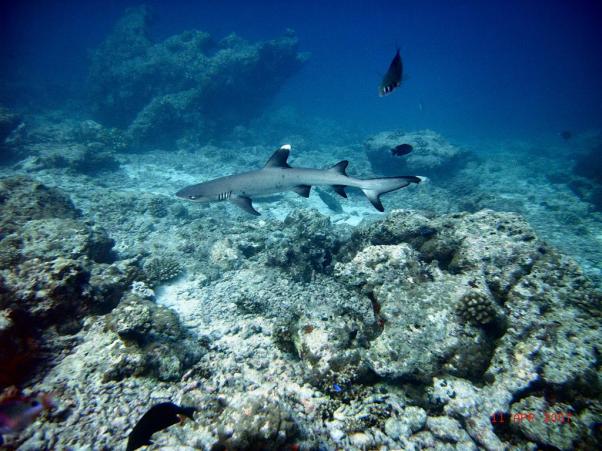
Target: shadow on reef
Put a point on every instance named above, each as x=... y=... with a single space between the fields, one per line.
x=9 y=123
x=588 y=185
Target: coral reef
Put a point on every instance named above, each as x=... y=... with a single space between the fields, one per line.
x=24 y=199
x=157 y=207
x=552 y=428
x=303 y=251
x=155 y=343
x=411 y=331
x=62 y=143
x=95 y=136
x=432 y=155
x=159 y=90
x=91 y=161
x=414 y=276
x=477 y=307
x=255 y=421
x=159 y=270
x=55 y=269
x=414 y=303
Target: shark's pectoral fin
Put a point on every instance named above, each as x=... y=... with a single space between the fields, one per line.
x=245 y=203
x=340 y=190
x=302 y=190
x=374 y=197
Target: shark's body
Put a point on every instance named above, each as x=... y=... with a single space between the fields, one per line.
x=277 y=176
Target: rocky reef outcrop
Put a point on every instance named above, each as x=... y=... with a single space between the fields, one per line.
x=137 y=338
x=533 y=335
x=189 y=82
x=64 y=145
x=56 y=269
x=408 y=332
x=420 y=332
x=431 y=155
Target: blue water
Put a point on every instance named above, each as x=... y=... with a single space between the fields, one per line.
x=475 y=69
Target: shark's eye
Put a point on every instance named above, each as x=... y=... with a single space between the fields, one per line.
x=192 y=197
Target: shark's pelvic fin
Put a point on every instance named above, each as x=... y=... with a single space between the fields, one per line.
x=278 y=158
x=302 y=190
x=340 y=167
x=340 y=190
x=245 y=203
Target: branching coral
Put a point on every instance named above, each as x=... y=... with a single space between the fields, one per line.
x=159 y=270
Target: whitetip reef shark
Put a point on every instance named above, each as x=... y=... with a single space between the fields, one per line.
x=277 y=176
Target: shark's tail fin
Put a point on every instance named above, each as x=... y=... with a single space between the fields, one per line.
x=373 y=188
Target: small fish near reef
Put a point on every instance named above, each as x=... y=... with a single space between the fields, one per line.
x=18 y=411
x=393 y=77
x=277 y=176
x=401 y=150
x=158 y=417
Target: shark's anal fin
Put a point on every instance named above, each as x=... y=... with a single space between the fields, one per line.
x=374 y=198
x=340 y=190
x=245 y=203
x=302 y=190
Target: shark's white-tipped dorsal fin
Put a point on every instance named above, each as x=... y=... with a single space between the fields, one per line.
x=278 y=158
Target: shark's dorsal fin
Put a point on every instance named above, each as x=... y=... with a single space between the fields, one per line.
x=340 y=167
x=278 y=158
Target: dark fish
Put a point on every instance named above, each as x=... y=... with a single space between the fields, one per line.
x=392 y=78
x=402 y=149
x=157 y=418
x=566 y=135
